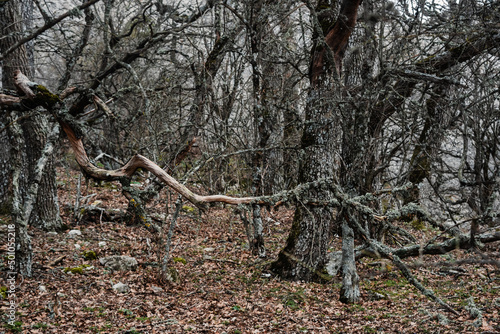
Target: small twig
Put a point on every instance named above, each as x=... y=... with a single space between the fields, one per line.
x=56 y=261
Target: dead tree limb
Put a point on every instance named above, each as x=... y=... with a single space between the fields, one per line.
x=386 y=252
x=139 y=161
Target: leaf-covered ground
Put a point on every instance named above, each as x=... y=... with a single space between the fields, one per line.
x=222 y=287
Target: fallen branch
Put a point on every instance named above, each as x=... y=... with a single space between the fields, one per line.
x=24 y=84
x=56 y=261
x=139 y=161
x=387 y=252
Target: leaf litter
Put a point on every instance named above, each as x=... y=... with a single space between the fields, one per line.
x=223 y=288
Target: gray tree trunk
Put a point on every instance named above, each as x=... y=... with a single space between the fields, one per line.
x=304 y=255
x=23 y=145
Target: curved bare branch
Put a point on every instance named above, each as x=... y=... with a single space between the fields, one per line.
x=139 y=161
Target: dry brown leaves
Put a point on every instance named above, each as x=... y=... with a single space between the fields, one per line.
x=222 y=288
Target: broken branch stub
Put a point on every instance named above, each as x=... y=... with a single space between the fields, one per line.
x=23 y=84
x=9 y=100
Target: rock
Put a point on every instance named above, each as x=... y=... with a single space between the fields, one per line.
x=102 y=244
x=156 y=289
x=119 y=262
x=89 y=255
x=51 y=233
x=159 y=216
x=74 y=233
x=373 y=295
x=42 y=288
x=77 y=246
x=120 y=287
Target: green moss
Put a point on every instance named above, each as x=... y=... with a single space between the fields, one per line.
x=17 y=327
x=294 y=300
x=126 y=312
x=417 y=224
x=188 y=209
x=89 y=255
x=41 y=325
x=3 y=292
x=180 y=259
x=44 y=96
x=76 y=270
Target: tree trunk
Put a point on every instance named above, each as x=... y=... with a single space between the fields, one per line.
x=33 y=130
x=22 y=146
x=45 y=214
x=10 y=23
x=428 y=143
x=304 y=255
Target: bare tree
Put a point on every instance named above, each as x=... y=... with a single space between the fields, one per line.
x=28 y=190
x=393 y=107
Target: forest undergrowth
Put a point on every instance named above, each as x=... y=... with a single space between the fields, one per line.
x=221 y=287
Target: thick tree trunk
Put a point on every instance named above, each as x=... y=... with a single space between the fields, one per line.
x=10 y=24
x=24 y=253
x=23 y=145
x=304 y=255
x=46 y=212
x=33 y=130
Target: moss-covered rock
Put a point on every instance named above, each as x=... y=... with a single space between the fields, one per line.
x=77 y=270
x=188 y=209
x=180 y=259
x=89 y=255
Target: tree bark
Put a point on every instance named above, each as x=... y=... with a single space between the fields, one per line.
x=23 y=142
x=304 y=255
x=34 y=129
x=10 y=23
x=349 y=293
x=430 y=139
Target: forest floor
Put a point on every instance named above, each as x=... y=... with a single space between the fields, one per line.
x=222 y=287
